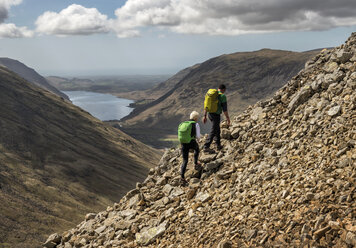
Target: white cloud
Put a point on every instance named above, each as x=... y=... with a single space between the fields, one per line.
x=212 y=17
x=74 y=20
x=5 y=5
x=233 y=17
x=10 y=30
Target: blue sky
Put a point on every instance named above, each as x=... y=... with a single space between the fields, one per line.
x=101 y=37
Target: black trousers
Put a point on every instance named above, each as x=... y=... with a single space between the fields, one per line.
x=185 y=151
x=215 y=130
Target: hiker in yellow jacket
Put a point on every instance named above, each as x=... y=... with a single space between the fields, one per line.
x=215 y=119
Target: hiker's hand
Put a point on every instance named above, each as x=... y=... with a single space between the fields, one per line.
x=204 y=119
x=228 y=123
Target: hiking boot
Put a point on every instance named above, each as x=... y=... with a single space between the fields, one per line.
x=219 y=147
x=197 y=166
x=208 y=150
x=183 y=182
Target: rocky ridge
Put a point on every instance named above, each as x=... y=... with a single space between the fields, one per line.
x=285 y=177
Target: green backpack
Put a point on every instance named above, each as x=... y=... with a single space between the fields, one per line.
x=211 y=101
x=184 y=131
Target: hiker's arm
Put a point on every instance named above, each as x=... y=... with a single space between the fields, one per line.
x=204 y=118
x=224 y=108
x=227 y=118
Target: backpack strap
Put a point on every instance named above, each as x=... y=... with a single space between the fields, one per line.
x=194 y=130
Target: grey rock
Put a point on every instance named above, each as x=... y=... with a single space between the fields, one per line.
x=225 y=244
x=146 y=237
x=225 y=133
x=90 y=216
x=206 y=158
x=224 y=174
x=235 y=133
x=258 y=114
x=128 y=213
x=176 y=192
x=52 y=240
x=299 y=98
x=161 y=181
x=350 y=239
x=100 y=229
x=135 y=200
x=203 y=197
x=343 y=56
x=49 y=244
x=334 y=111
x=167 y=189
x=213 y=165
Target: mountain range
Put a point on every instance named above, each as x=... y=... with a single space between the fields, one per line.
x=58 y=162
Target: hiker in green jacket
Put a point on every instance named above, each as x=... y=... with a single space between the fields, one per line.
x=215 y=119
x=194 y=134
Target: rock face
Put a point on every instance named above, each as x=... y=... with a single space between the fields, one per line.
x=283 y=179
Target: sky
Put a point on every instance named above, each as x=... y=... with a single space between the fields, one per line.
x=113 y=37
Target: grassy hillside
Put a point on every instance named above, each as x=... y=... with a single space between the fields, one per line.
x=57 y=163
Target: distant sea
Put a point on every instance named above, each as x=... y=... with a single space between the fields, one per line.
x=102 y=106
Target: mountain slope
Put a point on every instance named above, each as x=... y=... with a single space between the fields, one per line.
x=57 y=162
x=285 y=177
x=30 y=75
x=249 y=77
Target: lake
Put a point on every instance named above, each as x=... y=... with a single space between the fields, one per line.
x=102 y=106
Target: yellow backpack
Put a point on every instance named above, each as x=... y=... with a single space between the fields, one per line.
x=211 y=101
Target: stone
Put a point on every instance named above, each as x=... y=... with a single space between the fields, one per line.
x=206 y=158
x=235 y=133
x=68 y=245
x=225 y=133
x=161 y=181
x=100 y=229
x=203 y=197
x=191 y=193
x=135 y=200
x=213 y=165
x=128 y=213
x=350 y=239
x=49 y=244
x=225 y=244
x=309 y=196
x=122 y=225
x=53 y=240
x=176 y=192
x=146 y=237
x=343 y=56
x=167 y=189
x=334 y=111
x=257 y=114
x=299 y=98
x=321 y=232
x=331 y=66
x=90 y=216
x=224 y=174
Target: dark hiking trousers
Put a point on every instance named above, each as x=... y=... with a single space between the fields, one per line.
x=185 y=151
x=215 y=130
